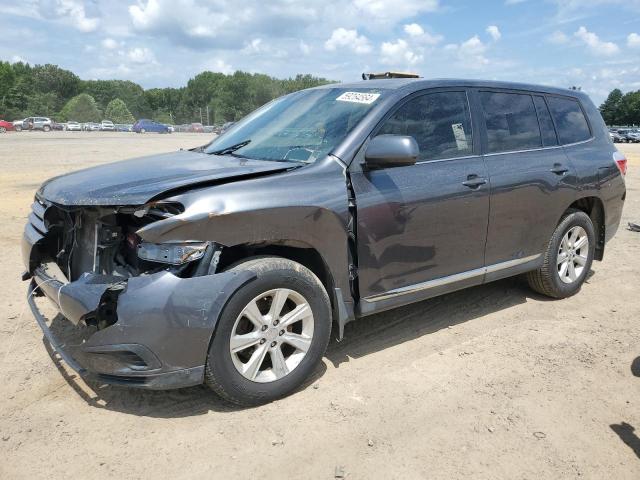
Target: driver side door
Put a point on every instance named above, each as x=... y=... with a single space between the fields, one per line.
x=421 y=229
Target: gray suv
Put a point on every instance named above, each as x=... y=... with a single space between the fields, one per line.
x=230 y=264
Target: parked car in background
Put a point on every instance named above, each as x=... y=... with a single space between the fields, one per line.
x=6 y=126
x=615 y=136
x=92 y=127
x=73 y=126
x=34 y=123
x=107 y=126
x=629 y=135
x=195 y=128
x=208 y=129
x=226 y=126
x=144 y=125
x=171 y=128
x=230 y=264
x=123 y=127
x=57 y=126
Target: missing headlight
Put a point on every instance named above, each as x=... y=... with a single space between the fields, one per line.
x=171 y=253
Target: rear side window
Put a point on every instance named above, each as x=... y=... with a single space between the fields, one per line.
x=511 y=121
x=440 y=123
x=570 y=120
x=547 y=129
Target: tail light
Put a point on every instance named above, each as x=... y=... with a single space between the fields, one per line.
x=621 y=162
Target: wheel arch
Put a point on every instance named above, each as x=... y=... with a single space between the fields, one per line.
x=594 y=207
x=300 y=252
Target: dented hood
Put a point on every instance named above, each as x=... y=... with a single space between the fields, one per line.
x=136 y=181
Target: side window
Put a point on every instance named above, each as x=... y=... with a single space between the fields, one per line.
x=549 y=138
x=511 y=121
x=570 y=121
x=440 y=123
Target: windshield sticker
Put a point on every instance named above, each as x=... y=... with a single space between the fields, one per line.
x=461 y=138
x=358 y=97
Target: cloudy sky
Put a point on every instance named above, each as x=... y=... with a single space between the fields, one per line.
x=591 y=43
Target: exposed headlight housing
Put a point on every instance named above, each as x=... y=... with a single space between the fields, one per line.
x=171 y=253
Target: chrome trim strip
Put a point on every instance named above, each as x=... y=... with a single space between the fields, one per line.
x=554 y=147
x=457 y=277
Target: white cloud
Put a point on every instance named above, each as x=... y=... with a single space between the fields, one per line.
x=399 y=53
x=393 y=12
x=558 y=38
x=304 y=48
x=633 y=40
x=18 y=58
x=141 y=55
x=596 y=46
x=470 y=53
x=494 y=32
x=341 y=37
x=413 y=30
x=221 y=66
x=109 y=44
x=75 y=12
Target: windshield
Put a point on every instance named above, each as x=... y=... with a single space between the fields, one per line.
x=303 y=126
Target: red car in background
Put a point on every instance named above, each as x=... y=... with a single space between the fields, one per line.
x=6 y=126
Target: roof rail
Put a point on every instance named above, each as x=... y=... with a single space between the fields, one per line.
x=376 y=76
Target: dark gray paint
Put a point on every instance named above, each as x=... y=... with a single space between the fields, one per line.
x=423 y=224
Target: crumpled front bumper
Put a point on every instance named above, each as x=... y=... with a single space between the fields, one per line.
x=163 y=329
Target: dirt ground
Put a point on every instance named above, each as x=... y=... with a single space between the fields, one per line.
x=494 y=382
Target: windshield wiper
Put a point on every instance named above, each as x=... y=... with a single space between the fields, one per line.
x=231 y=149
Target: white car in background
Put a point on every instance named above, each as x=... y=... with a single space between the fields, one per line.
x=73 y=127
x=107 y=126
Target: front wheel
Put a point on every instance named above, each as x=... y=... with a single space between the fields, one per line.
x=3 y=130
x=18 y=128
x=46 y=128
x=142 y=130
x=568 y=257
x=271 y=335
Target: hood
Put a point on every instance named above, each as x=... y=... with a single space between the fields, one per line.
x=136 y=181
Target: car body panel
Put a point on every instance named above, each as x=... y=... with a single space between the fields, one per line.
x=136 y=181
x=385 y=237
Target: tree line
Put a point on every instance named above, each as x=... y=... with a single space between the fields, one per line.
x=621 y=109
x=50 y=91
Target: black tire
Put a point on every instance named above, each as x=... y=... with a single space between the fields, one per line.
x=221 y=374
x=3 y=130
x=546 y=280
x=46 y=128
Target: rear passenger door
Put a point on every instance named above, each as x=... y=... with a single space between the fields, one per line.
x=425 y=221
x=532 y=180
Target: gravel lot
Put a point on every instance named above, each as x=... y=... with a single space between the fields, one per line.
x=492 y=382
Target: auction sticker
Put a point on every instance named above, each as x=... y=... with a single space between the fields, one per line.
x=358 y=97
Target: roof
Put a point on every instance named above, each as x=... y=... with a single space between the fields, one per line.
x=412 y=84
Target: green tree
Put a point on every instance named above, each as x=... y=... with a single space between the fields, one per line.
x=53 y=79
x=81 y=108
x=611 y=108
x=42 y=104
x=118 y=112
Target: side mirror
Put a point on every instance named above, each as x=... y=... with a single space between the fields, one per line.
x=385 y=151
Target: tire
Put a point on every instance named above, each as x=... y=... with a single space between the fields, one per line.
x=3 y=130
x=547 y=279
x=142 y=130
x=18 y=128
x=274 y=274
x=46 y=128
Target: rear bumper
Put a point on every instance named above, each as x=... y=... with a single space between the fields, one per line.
x=163 y=329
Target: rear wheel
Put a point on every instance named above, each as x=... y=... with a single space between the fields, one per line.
x=3 y=130
x=271 y=335
x=142 y=130
x=18 y=128
x=46 y=128
x=568 y=257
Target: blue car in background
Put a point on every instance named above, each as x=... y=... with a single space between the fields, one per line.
x=144 y=125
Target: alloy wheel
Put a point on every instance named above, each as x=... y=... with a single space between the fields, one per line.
x=272 y=335
x=573 y=254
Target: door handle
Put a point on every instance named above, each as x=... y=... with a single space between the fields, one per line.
x=558 y=169
x=474 y=181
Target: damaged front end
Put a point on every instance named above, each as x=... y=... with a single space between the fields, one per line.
x=130 y=295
